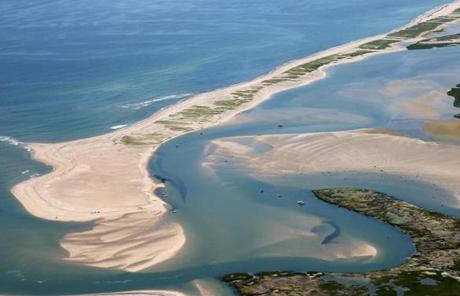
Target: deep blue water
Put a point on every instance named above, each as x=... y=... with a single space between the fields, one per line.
x=73 y=69
x=238 y=217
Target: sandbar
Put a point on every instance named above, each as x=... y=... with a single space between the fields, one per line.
x=104 y=179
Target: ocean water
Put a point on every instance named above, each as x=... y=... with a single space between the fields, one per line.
x=375 y=95
x=244 y=220
x=380 y=94
x=74 y=69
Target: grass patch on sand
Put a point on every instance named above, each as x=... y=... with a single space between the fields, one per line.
x=273 y=81
x=420 y=28
x=198 y=111
x=379 y=44
x=355 y=53
x=175 y=125
x=312 y=66
x=247 y=94
x=147 y=139
x=199 y=114
x=230 y=104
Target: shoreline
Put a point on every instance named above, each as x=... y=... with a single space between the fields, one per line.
x=328 y=153
x=432 y=270
x=104 y=179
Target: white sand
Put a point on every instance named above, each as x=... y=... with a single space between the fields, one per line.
x=360 y=151
x=103 y=180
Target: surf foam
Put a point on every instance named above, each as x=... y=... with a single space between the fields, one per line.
x=143 y=104
x=14 y=142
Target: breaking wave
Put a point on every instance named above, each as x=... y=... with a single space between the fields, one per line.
x=14 y=142
x=143 y=104
x=115 y=127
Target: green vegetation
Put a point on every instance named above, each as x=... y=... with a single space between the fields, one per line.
x=379 y=44
x=182 y=120
x=309 y=67
x=230 y=104
x=335 y=288
x=175 y=125
x=198 y=111
x=247 y=94
x=237 y=277
x=130 y=140
x=312 y=66
x=273 y=81
x=186 y=120
x=420 y=28
x=430 y=231
x=447 y=37
x=455 y=93
x=417 y=283
x=355 y=54
x=432 y=271
x=420 y=45
x=148 y=139
x=443 y=41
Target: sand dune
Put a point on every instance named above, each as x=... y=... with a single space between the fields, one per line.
x=131 y=242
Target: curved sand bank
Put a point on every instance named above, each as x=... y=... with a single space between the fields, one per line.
x=361 y=151
x=104 y=179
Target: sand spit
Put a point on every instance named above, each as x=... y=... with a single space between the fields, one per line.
x=328 y=152
x=105 y=179
x=131 y=242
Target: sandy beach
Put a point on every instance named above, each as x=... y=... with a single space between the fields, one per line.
x=368 y=151
x=104 y=179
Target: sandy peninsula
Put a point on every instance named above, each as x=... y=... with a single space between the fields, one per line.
x=349 y=151
x=104 y=179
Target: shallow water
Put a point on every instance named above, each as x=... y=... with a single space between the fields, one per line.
x=373 y=96
x=229 y=226
x=248 y=224
x=73 y=69
x=254 y=231
x=50 y=90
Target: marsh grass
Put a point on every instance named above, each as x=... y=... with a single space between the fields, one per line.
x=147 y=139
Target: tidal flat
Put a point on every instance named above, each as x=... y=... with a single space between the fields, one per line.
x=146 y=206
x=433 y=270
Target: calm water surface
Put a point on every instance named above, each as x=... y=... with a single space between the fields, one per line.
x=71 y=70
x=245 y=224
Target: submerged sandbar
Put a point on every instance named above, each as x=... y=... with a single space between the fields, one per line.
x=104 y=179
x=433 y=270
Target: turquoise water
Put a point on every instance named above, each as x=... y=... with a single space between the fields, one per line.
x=367 y=99
x=71 y=70
x=243 y=217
